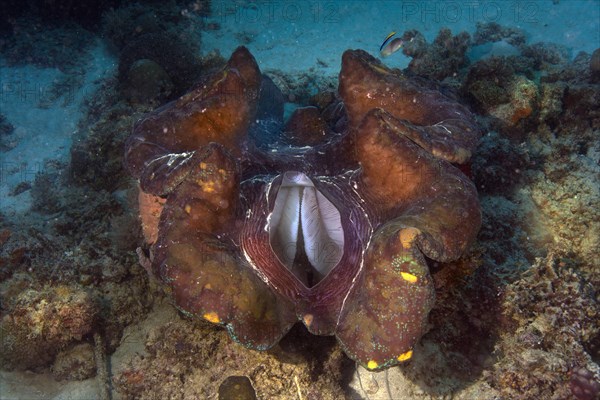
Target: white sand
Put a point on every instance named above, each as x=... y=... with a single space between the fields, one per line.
x=43 y=134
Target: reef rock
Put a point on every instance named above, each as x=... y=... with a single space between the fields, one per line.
x=440 y=59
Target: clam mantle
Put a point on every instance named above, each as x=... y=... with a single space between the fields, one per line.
x=335 y=234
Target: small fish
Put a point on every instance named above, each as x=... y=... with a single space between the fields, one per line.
x=390 y=46
x=388 y=37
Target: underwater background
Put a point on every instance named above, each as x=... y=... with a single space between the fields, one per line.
x=516 y=317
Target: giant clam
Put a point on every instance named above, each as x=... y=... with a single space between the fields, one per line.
x=335 y=234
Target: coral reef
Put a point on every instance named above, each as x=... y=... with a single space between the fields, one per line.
x=500 y=88
x=555 y=317
x=124 y=24
x=76 y=363
x=568 y=196
x=176 y=59
x=584 y=385
x=498 y=166
x=300 y=87
x=97 y=151
x=7 y=142
x=514 y=91
x=158 y=50
x=112 y=278
x=38 y=323
x=147 y=81
x=441 y=59
x=52 y=11
x=65 y=47
x=494 y=32
x=522 y=101
x=548 y=343
x=201 y=358
x=76 y=246
x=6 y=127
x=545 y=55
x=595 y=63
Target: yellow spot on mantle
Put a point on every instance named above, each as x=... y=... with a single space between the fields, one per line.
x=212 y=317
x=206 y=186
x=203 y=165
x=308 y=319
x=372 y=364
x=408 y=277
x=188 y=208
x=405 y=356
x=209 y=188
x=407 y=237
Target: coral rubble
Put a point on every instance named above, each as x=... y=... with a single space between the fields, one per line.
x=203 y=358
